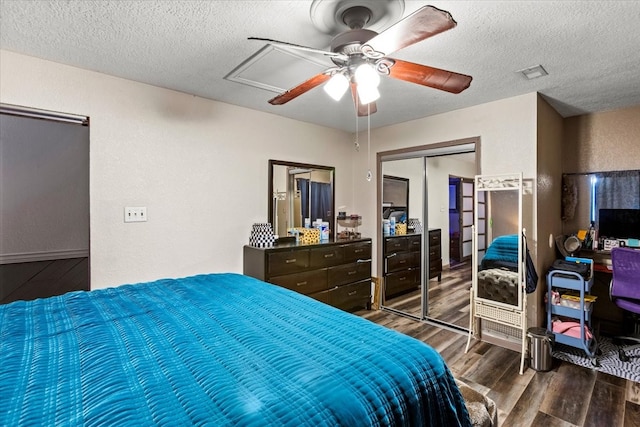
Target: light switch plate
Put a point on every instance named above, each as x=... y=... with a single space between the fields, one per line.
x=135 y=214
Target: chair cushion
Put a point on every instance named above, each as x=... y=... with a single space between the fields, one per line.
x=628 y=304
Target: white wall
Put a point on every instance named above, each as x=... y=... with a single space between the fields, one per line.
x=199 y=166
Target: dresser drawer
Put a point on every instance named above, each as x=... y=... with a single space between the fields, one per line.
x=395 y=244
x=305 y=282
x=356 y=251
x=401 y=261
x=326 y=256
x=401 y=281
x=321 y=296
x=434 y=252
x=434 y=237
x=415 y=242
x=435 y=268
x=287 y=262
x=349 y=273
x=354 y=295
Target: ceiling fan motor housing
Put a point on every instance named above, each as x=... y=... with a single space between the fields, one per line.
x=350 y=41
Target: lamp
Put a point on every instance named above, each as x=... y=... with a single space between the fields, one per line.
x=337 y=86
x=368 y=80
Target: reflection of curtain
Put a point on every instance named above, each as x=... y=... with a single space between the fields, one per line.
x=618 y=190
x=320 y=199
x=569 y=197
x=303 y=188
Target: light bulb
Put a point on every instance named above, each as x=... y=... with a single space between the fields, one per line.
x=337 y=86
x=367 y=94
x=366 y=75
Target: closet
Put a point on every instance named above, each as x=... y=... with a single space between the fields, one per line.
x=413 y=267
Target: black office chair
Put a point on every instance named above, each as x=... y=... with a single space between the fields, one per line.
x=624 y=292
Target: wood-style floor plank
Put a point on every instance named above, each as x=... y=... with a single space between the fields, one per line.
x=631 y=415
x=526 y=408
x=606 y=407
x=569 y=393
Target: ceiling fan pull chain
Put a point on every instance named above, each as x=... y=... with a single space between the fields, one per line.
x=369 y=174
x=357 y=143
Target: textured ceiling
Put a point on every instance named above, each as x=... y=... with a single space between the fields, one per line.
x=589 y=48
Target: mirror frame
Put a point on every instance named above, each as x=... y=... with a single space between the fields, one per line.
x=332 y=219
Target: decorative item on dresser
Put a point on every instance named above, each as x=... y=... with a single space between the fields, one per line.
x=336 y=272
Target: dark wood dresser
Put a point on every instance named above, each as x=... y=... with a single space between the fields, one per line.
x=337 y=273
x=435 y=253
x=403 y=258
x=401 y=266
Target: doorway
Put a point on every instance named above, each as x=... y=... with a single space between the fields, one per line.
x=417 y=278
x=44 y=203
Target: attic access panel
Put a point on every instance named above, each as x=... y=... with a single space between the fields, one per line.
x=276 y=69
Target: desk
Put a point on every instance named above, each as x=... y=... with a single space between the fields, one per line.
x=608 y=316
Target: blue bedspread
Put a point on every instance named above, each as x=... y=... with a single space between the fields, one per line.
x=219 y=349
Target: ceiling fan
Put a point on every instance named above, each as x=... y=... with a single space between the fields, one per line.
x=360 y=58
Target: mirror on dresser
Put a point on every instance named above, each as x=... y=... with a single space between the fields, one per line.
x=298 y=191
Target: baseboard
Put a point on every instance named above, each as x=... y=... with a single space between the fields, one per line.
x=43 y=256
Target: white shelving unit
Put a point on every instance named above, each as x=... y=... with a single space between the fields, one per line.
x=512 y=316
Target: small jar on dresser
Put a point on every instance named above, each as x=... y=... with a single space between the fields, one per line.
x=336 y=272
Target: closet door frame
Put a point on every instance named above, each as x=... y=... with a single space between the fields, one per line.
x=442 y=148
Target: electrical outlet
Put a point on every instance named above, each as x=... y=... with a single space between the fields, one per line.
x=135 y=214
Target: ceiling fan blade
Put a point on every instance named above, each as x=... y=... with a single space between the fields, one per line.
x=421 y=24
x=287 y=96
x=429 y=76
x=300 y=47
x=361 y=109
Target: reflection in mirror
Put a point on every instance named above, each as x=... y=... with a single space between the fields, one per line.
x=395 y=198
x=584 y=195
x=299 y=191
x=402 y=199
x=498 y=228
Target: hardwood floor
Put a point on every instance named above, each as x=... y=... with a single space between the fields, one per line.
x=568 y=395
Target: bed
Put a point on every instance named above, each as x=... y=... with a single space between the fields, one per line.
x=218 y=349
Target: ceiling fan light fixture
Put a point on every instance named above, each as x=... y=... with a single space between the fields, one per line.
x=367 y=94
x=366 y=75
x=337 y=86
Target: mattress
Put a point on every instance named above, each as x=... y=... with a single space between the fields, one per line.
x=220 y=349
x=498 y=284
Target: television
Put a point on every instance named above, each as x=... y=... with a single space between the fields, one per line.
x=619 y=223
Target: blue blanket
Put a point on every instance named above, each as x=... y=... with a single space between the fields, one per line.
x=220 y=349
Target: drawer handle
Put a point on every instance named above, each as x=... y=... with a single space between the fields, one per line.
x=301 y=283
x=351 y=273
x=403 y=278
x=289 y=261
x=392 y=255
x=357 y=251
x=402 y=261
x=353 y=293
x=367 y=260
x=328 y=255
